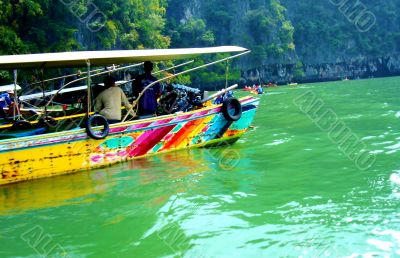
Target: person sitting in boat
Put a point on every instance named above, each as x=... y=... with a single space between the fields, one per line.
x=148 y=101
x=13 y=109
x=108 y=102
x=228 y=95
x=219 y=99
x=97 y=89
x=5 y=101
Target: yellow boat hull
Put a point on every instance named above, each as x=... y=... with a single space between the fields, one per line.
x=71 y=151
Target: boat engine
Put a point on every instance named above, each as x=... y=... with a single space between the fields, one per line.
x=178 y=98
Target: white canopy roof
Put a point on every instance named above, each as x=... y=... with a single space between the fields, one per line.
x=8 y=87
x=98 y=58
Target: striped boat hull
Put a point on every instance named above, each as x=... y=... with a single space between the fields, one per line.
x=72 y=151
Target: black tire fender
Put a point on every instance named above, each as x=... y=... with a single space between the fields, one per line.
x=229 y=104
x=100 y=120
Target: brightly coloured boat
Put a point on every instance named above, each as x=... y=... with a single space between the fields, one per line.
x=51 y=154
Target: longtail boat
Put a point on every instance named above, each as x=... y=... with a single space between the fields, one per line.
x=96 y=146
x=9 y=87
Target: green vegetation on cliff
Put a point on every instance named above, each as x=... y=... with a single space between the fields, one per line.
x=325 y=33
x=277 y=31
x=32 y=26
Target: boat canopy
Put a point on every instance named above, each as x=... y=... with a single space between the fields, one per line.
x=99 y=58
x=9 y=87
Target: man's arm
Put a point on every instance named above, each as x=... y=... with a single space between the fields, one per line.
x=126 y=103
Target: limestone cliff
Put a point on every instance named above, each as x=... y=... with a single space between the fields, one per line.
x=298 y=40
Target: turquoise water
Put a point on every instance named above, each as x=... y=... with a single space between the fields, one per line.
x=286 y=189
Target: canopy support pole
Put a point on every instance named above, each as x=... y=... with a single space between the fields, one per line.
x=226 y=74
x=15 y=106
x=89 y=92
x=42 y=85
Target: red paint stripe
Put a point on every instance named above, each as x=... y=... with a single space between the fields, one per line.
x=118 y=129
x=179 y=136
x=148 y=140
x=139 y=126
x=182 y=134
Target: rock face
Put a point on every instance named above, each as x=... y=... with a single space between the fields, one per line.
x=259 y=25
x=304 y=40
x=352 y=69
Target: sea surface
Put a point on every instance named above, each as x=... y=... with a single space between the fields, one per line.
x=288 y=188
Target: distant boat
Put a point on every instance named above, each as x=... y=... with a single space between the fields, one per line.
x=9 y=87
x=271 y=85
x=257 y=93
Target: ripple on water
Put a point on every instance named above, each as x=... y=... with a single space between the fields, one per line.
x=389 y=113
x=381 y=245
x=353 y=117
x=369 y=137
x=389 y=240
x=276 y=93
x=278 y=142
x=395 y=178
x=382 y=143
x=393 y=148
x=375 y=152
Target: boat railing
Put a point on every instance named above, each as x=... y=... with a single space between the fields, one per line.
x=136 y=101
x=55 y=93
x=84 y=78
x=108 y=68
x=219 y=93
x=164 y=70
x=117 y=69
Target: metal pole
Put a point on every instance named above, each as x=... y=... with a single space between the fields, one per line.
x=15 y=107
x=43 y=89
x=226 y=73
x=220 y=93
x=75 y=74
x=89 y=92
